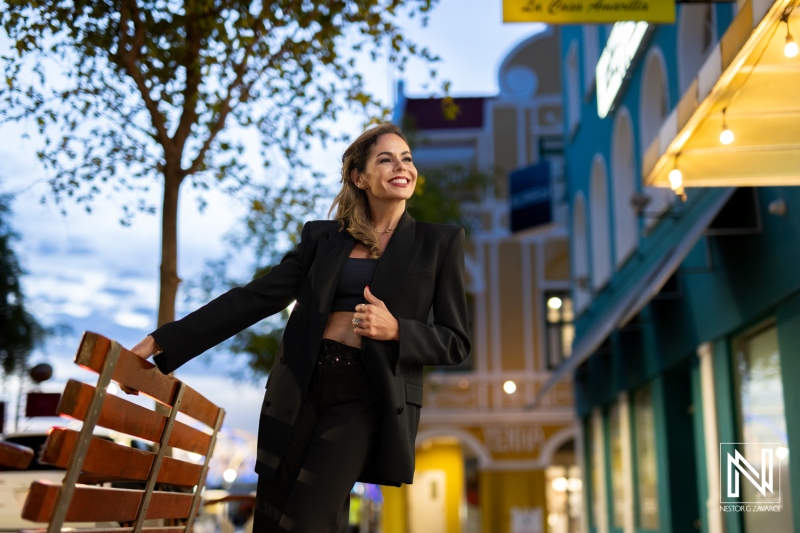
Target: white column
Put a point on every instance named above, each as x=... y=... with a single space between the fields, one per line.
x=530 y=294
x=711 y=438
x=522 y=137
x=627 y=461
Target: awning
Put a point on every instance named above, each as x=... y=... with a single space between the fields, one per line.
x=749 y=84
x=640 y=281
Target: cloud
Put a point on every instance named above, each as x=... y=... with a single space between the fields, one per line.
x=132 y=320
x=118 y=291
x=47 y=247
x=80 y=248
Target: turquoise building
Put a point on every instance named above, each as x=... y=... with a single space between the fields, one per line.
x=685 y=268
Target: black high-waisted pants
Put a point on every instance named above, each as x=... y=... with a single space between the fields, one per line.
x=334 y=438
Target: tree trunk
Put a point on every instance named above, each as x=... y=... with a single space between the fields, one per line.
x=169 y=246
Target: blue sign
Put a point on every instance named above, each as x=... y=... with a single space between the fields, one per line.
x=531 y=197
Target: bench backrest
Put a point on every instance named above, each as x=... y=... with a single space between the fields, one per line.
x=15 y=457
x=89 y=459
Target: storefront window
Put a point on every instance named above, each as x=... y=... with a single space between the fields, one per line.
x=596 y=460
x=563 y=492
x=560 y=326
x=646 y=463
x=761 y=420
x=617 y=473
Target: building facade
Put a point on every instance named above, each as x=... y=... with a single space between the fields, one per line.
x=682 y=163
x=484 y=461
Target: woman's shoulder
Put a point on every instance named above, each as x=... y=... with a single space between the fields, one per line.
x=317 y=227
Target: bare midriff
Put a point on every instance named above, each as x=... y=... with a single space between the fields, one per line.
x=340 y=329
x=340 y=323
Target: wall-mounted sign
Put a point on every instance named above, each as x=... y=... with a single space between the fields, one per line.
x=526 y=439
x=531 y=197
x=623 y=46
x=588 y=11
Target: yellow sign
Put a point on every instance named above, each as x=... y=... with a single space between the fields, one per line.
x=588 y=11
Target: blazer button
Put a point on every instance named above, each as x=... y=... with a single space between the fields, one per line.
x=400 y=410
x=267 y=403
x=283 y=360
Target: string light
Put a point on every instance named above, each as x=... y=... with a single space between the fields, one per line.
x=790 y=49
x=676 y=180
x=726 y=136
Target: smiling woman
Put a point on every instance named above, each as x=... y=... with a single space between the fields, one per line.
x=343 y=401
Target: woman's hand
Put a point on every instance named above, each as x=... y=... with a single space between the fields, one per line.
x=374 y=320
x=146 y=347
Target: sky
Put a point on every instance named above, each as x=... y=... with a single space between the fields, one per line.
x=88 y=272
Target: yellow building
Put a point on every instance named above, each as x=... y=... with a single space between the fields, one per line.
x=484 y=461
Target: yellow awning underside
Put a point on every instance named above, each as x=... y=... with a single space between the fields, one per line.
x=750 y=77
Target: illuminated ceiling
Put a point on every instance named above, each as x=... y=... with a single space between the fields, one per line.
x=750 y=77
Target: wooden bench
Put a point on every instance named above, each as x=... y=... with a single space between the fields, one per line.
x=91 y=461
x=14 y=456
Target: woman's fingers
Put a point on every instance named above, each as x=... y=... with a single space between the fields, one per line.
x=146 y=347
x=375 y=321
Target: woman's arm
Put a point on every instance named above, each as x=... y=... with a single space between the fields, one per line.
x=233 y=311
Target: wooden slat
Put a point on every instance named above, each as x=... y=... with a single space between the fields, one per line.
x=134 y=372
x=121 y=415
x=15 y=456
x=100 y=504
x=111 y=461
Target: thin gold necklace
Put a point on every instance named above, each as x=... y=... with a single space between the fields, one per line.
x=387 y=230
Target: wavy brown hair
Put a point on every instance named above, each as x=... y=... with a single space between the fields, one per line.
x=351 y=204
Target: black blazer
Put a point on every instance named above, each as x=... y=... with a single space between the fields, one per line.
x=421 y=270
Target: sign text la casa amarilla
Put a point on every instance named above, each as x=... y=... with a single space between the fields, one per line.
x=588 y=11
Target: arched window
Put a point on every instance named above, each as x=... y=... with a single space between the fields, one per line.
x=654 y=101
x=653 y=109
x=696 y=38
x=573 y=89
x=623 y=172
x=580 y=253
x=599 y=214
x=591 y=54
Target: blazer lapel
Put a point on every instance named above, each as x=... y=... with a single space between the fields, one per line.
x=331 y=255
x=395 y=261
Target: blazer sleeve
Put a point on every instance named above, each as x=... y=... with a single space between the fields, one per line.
x=234 y=310
x=446 y=340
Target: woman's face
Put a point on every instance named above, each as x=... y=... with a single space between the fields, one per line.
x=390 y=173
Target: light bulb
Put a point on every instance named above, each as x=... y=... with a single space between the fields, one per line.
x=510 y=387
x=560 y=484
x=790 y=50
x=726 y=136
x=675 y=179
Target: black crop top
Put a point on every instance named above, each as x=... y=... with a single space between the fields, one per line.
x=356 y=274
